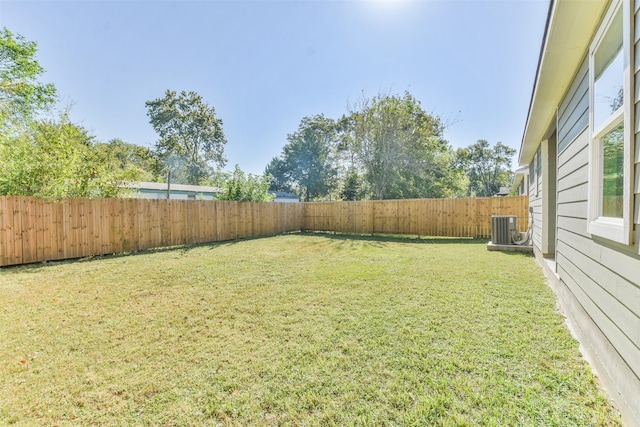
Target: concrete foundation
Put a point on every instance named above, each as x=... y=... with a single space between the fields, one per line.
x=525 y=249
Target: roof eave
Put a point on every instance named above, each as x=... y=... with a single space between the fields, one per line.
x=519 y=175
x=569 y=29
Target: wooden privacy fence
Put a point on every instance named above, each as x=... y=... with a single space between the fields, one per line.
x=469 y=217
x=33 y=230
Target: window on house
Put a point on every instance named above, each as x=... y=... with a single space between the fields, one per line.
x=610 y=86
x=532 y=172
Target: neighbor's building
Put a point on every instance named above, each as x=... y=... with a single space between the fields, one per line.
x=580 y=148
x=285 y=196
x=521 y=181
x=160 y=190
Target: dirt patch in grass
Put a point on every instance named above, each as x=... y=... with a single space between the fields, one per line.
x=295 y=329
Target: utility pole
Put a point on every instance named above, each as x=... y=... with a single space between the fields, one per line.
x=169 y=185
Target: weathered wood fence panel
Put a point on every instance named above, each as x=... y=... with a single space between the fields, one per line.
x=33 y=230
x=423 y=217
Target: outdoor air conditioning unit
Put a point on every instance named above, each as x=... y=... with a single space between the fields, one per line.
x=503 y=229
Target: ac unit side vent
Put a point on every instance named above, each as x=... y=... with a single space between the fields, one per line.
x=503 y=228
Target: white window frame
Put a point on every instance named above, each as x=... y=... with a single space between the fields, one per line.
x=616 y=229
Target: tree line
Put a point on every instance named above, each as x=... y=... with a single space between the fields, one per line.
x=383 y=147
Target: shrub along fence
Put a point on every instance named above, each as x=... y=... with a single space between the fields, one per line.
x=33 y=230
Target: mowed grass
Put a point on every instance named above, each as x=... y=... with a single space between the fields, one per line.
x=292 y=330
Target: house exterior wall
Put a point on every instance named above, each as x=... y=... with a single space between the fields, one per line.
x=286 y=200
x=175 y=195
x=285 y=197
x=573 y=112
x=548 y=170
x=599 y=280
x=523 y=188
x=535 y=202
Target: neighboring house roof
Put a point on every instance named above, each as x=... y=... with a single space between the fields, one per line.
x=504 y=191
x=520 y=174
x=162 y=186
x=284 y=194
x=570 y=26
x=159 y=187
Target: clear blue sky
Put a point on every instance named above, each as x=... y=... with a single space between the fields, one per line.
x=264 y=65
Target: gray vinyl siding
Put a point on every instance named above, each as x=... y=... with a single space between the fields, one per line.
x=535 y=203
x=573 y=112
x=603 y=276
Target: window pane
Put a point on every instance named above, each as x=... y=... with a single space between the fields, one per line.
x=532 y=172
x=609 y=73
x=612 y=172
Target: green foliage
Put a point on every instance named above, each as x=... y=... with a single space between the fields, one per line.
x=278 y=171
x=400 y=148
x=353 y=186
x=132 y=159
x=387 y=147
x=613 y=173
x=191 y=137
x=245 y=187
x=53 y=157
x=56 y=158
x=306 y=162
x=487 y=168
x=20 y=92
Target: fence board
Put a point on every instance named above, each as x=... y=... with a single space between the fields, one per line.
x=422 y=217
x=4 y=239
x=34 y=230
x=16 y=227
x=28 y=230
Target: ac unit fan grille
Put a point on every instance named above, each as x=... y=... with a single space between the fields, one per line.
x=503 y=228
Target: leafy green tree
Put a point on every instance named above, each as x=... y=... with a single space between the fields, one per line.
x=487 y=168
x=56 y=158
x=131 y=159
x=245 y=187
x=191 y=137
x=52 y=157
x=306 y=162
x=400 y=148
x=353 y=186
x=278 y=171
x=20 y=91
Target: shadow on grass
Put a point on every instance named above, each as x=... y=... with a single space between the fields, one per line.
x=400 y=238
x=529 y=254
x=185 y=249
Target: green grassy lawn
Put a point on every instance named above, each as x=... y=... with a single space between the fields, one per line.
x=292 y=330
